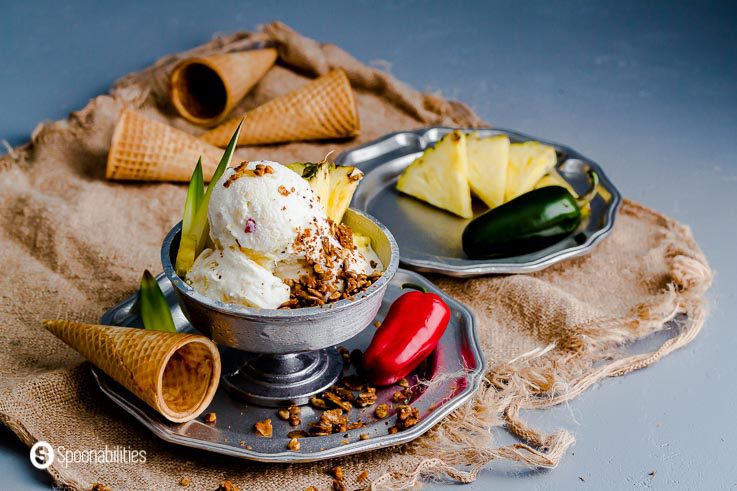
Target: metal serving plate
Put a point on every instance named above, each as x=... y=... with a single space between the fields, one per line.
x=430 y=239
x=454 y=372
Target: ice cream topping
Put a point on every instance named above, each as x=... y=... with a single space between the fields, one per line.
x=273 y=245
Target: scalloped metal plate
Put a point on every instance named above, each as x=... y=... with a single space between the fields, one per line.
x=430 y=239
x=456 y=367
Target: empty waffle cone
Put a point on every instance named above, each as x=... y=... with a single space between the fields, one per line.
x=146 y=150
x=204 y=90
x=176 y=374
x=321 y=109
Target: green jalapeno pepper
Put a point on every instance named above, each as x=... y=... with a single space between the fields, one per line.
x=528 y=223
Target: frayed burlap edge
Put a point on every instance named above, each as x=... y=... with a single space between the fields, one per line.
x=560 y=372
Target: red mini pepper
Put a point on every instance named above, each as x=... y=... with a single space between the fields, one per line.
x=411 y=329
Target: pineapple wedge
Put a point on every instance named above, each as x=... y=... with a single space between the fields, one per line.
x=553 y=178
x=343 y=181
x=487 y=167
x=318 y=175
x=528 y=162
x=440 y=176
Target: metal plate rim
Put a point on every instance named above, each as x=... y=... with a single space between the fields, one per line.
x=475 y=378
x=483 y=267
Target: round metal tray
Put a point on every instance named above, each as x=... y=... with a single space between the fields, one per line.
x=448 y=378
x=430 y=239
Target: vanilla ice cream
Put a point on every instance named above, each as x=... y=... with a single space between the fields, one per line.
x=269 y=232
x=261 y=213
x=230 y=276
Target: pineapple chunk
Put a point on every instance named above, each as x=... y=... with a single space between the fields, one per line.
x=553 y=178
x=318 y=176
x=362 y=242
x=487 y=167
x=528 y=162
x=440 y=176
x=343 y=183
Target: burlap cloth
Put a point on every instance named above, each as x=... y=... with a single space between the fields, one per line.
x=73 y=244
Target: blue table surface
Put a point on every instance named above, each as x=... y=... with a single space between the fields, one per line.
x=648 y=89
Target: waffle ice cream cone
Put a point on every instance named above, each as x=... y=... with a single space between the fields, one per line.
x=176 y=374
x=146 y=150
x=321 y=109
x=204 y=90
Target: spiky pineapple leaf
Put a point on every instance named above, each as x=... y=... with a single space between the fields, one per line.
x=201 y=227
x=153 y=307
x=187 y=242
x=195 y=227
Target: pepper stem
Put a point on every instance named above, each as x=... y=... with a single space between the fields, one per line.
x=586 y=198
x=414 y=286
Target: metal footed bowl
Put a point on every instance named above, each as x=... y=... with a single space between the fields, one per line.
x=284 y=356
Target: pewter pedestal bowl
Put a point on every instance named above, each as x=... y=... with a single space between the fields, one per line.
x=277 y=357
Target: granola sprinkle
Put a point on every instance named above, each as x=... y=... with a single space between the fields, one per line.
x=334 y=399
x=295 y=415
x=381 y=411
x=264 y=428
x=331 y=421
x=407 y=416
x=329 y=275
x=318 y=403
x=227 y=486
x=367 y=398
x=402 y=396
x=238 y=172
x=337 y=473
x=210 y=418
x=294 y=444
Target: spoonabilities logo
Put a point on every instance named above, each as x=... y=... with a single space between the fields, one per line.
x=42 y=455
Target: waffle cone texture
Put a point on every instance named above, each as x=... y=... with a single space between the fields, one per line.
x=143 y=149
x=176 y=374
x=204 y=90
x=324 y=108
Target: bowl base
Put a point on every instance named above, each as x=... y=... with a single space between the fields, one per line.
x=278 y=380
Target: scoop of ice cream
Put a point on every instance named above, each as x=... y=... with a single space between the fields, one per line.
x=271 y=234
x=230 y=276
x=261 y=207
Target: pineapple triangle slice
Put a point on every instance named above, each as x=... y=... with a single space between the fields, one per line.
x=440 y=176
x=343 y=183
x=528 y=162
x=487 y=167
x=317 y=175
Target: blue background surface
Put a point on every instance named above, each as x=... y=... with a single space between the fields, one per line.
x=648 y=89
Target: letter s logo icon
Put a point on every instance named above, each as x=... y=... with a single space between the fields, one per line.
x=42 y=455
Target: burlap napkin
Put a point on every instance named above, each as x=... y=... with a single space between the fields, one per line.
x=73 y=244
